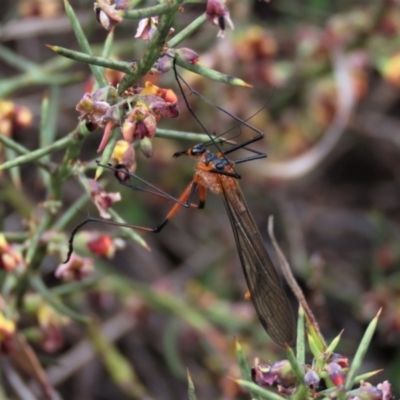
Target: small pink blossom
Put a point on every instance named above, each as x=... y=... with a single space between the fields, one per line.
x=9 y=257
x=107 y=14
x=124 y=154
x=218 y=14
x=146 y=28
x=76 y=269
x=102 y=199
x=105 y=245
x=139 y=124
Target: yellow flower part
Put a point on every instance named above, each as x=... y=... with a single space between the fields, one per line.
x=7 y=328
x=391 y=70
x=48 y=317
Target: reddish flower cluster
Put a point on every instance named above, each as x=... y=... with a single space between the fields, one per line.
x=77 y=268
x=7 y=331
x=9 y=257
x=136 y=112
x=281 y=375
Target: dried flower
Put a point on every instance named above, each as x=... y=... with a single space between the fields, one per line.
x=279 y=373
x=166 y=94
x=107 y=14
x=51 y=324
x=124 y=154
x=105 y=246
x=76 y=269
x=187 y=55
x=368 y=392
x=386 y=390
x=90 y=110
x=311 y=379
x=336 y=374
x=13 y=117
x=164 y=63
x=102 y=199
x=218 y=14
x=7 y=330
x=139 y=124
x=146 y=28
x=9 y=257
x=391 y=70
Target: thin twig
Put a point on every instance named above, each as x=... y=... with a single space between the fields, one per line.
x=80 y=355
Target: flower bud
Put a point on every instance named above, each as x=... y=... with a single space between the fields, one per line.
x=51 y=324
x=391 y=70
x=311 y=379
x=102 y=199
x=102 y=246
x=146 y=146
x=164 y=64
x=9 y=257
x=123 y=156
x=77 y=268
x=187 y=55
x=336 y=374
x=7 y=331
x=146 y=28
x=107 y=15
x=368 y=392
x=339 y=359
x=279 y=373
x=140 y=123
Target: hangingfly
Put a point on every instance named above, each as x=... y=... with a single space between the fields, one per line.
x=216 y=173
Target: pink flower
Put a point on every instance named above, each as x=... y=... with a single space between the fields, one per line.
x=218 y=14
x=102 y=199
x=105 y=246
x=146 y=28
x=9 y=257
x=76 y=269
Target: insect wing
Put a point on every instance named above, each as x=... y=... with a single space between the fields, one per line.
x=269 y=299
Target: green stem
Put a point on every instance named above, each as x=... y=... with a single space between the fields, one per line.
x=15 y=60
x=179 y=135
x=76 y=138
x=38 y=77
x=72 y=287
x=41 y=288
x=94 y=60
x=97 y=72
x=34 y=155
x=45 y=221
x=148 y=12
x=210 y=73
x=154 y=49
x=70 y=213
x=7 y=142
x=186 y=32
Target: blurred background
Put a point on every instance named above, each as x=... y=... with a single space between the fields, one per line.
x=325 y=82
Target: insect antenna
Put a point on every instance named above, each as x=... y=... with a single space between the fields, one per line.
x=219 y=143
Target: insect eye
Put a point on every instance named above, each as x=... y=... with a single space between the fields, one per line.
x=198 y=149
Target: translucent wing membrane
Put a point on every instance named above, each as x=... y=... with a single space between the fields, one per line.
x=269 y=299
